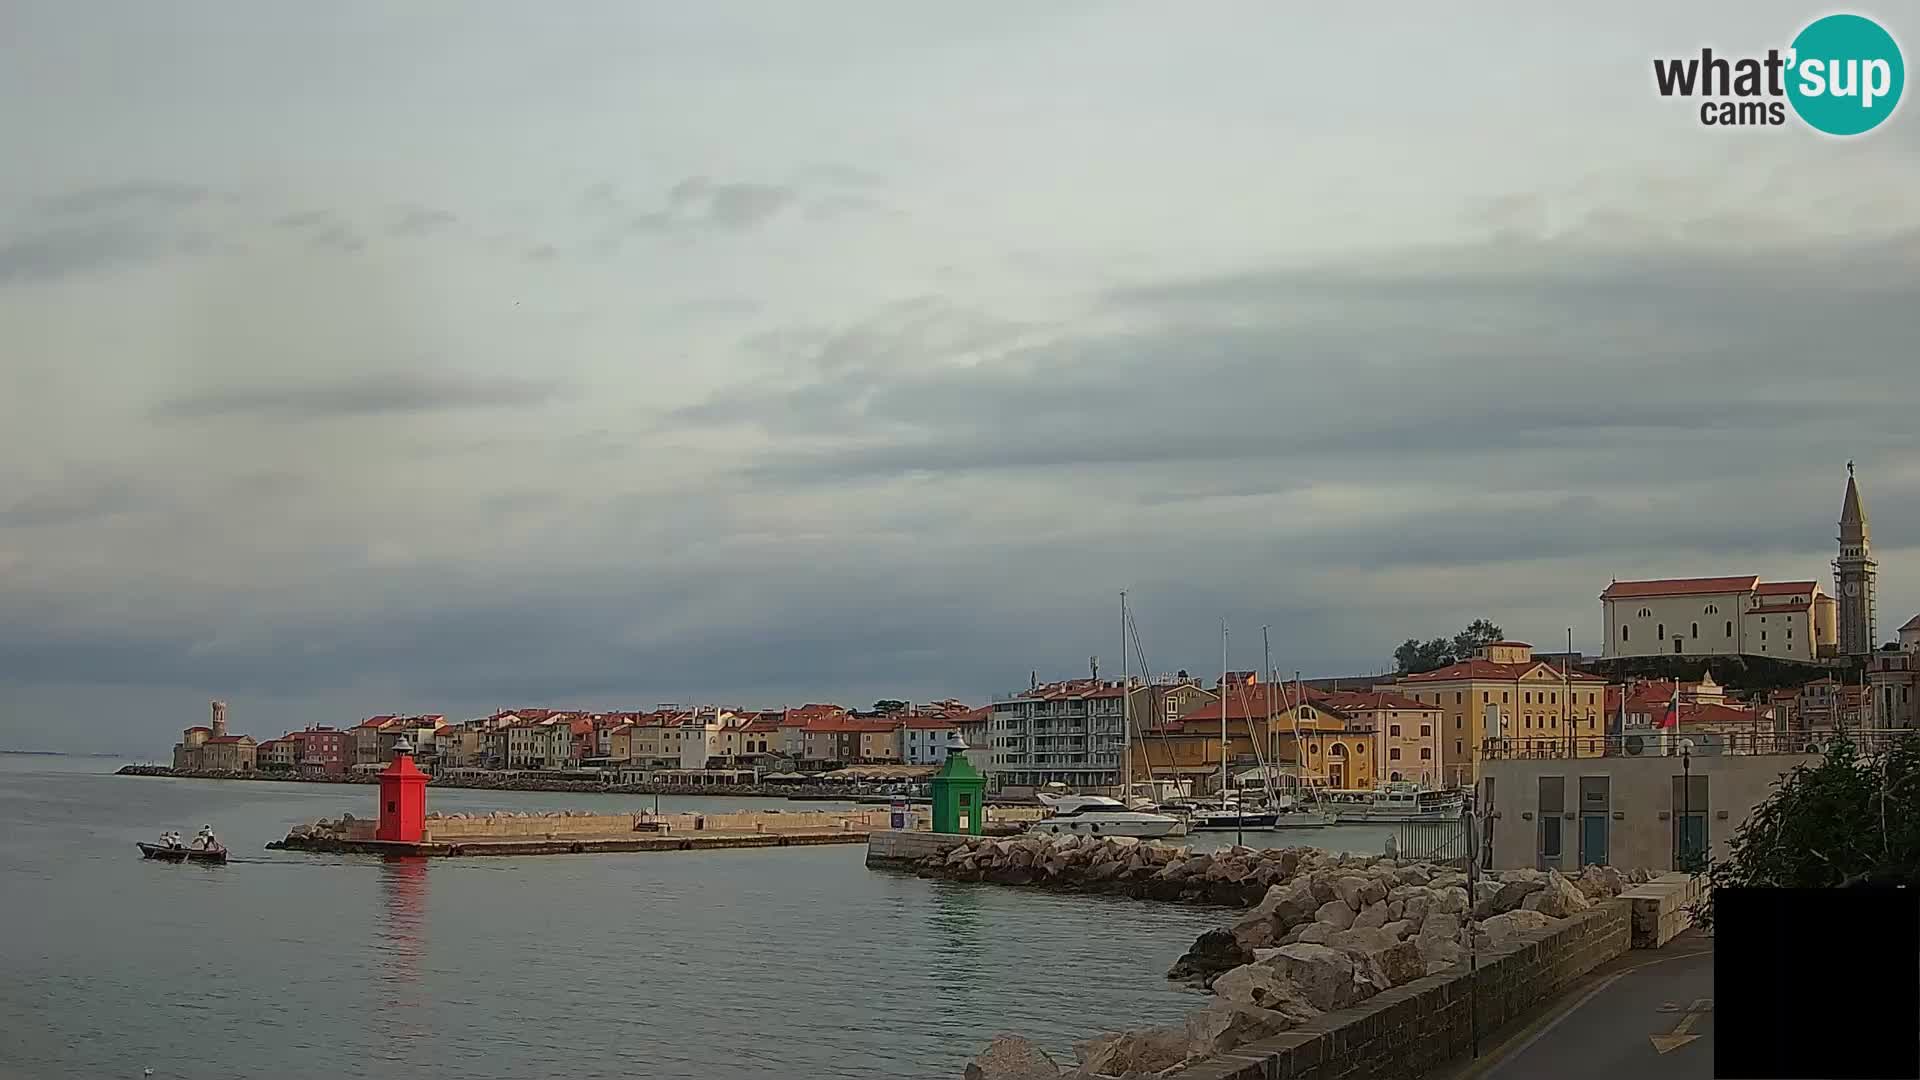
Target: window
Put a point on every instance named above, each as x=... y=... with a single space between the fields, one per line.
x=1789 y=633
x=1483 y=697
x=1712 y=609
x=1456 y=747
x=1554 y=698
x=1458 y=722
x=1763 y=635
x=1696 y=629
x=1395 y=777
x=1526 y=698
x=1360 y=749
x=1337 y=750
x=1660 y=630
x=1426 y=731
x=1503 y=697
x=1646 y=613
x=1457 y=696
x=1393 y=754
x=1393 y=729
x=1729 y=627
x=1426 y=753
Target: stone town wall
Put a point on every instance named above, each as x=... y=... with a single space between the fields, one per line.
x=1412 y=1029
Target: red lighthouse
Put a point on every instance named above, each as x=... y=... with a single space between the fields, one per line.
x=403 y=798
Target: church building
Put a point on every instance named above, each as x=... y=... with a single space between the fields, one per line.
x=1741 y=615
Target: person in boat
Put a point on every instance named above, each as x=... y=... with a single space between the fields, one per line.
x=203 y=841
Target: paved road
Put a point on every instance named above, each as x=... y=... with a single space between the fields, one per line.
x=1609 y=1034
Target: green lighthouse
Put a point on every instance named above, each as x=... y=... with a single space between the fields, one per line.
x=959 y=792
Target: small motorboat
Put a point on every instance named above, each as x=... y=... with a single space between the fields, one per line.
x=182 y=853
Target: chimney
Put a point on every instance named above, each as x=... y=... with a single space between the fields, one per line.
x=219 y=718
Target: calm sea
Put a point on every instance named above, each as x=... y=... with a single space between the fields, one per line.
x=766 y=963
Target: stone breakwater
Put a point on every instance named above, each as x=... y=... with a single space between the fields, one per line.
x=1326 y=932
x=518 y=783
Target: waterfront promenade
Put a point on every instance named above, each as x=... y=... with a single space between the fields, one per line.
x=1646 y=1015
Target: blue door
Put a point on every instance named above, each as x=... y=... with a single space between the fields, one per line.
x=1593 y=840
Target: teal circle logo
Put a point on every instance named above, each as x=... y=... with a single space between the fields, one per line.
x=1846 y=75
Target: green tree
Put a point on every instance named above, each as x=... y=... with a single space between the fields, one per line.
x=1415 y=656
x=1850 y=820
x=1478 y=635
x=889 y=706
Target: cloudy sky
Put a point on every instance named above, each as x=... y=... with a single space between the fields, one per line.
x=371 y=357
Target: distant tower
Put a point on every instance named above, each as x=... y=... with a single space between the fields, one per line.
x=1853 y=574
x=219 y=718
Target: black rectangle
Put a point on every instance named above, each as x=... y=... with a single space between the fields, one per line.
x=1816 y=983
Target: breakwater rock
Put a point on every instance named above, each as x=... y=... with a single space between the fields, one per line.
x=1325 y=931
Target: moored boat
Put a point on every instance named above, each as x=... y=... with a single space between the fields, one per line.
x=1097 y=815
x=1395 y=804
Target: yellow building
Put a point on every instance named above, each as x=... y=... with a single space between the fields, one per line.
x=1406 y=732
x=1314 y=739
x=1504 y=692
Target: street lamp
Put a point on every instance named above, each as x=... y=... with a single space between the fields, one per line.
x=1686 y=803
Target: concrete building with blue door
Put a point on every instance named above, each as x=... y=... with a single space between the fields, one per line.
x=1630 y=810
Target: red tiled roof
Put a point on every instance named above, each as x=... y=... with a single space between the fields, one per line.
x=1359 y=700
x=929 y=723
x=1509 y=644
x=1252 y=705
x=1791 y=588
x=761 y=727
x=1620 y=590
x=199 y=727
x=1478 y=668
x=229 y=738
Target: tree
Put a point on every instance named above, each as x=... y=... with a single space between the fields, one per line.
x=1415 y=656
x=889 y=706
x=1479 y=634
x=1848 y=821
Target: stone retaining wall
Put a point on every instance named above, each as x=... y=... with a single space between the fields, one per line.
x=1410 y=1030
x=1662 y=908
x=485 y=826
x=900 y=850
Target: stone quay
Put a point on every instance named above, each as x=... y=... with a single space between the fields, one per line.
x=563 y=832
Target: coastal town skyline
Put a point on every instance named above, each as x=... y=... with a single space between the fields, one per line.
x=797 y=359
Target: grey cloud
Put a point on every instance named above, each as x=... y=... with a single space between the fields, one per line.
x=845 y=204
x=421 y=220
x=540 y=252
x=841 y=175
x=305 y=219
x=135 y=195
x=368 y=396
x=76 y=502
x=737 y=206
x=59 y=252
x=338 y=238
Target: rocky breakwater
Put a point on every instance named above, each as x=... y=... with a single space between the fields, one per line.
x=1125 y=865
x=1332 y=931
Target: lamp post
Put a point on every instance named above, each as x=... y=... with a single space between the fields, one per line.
x=1686 y=803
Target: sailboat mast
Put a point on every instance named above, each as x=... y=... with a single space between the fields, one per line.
x=1267 y=776
x=1223 y=712
x=1126 y=708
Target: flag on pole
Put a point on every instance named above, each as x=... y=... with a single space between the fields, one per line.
x=1671 y=718
x=1253 y=678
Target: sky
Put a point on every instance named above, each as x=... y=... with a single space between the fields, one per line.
x=362 y=358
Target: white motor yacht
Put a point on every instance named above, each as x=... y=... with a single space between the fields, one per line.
x=1097 y=815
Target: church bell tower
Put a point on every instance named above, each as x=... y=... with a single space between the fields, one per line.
x=1853 y=574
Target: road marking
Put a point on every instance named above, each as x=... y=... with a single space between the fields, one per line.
x=1682 y=1032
